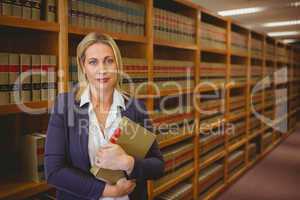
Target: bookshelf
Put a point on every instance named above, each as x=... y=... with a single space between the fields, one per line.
x=218 y=62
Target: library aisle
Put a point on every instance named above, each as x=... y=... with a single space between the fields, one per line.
x=275 y=177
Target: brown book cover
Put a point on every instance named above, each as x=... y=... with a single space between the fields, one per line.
x=135 y=140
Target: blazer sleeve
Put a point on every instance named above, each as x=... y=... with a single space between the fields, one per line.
x=57 y=170
x=152 y=166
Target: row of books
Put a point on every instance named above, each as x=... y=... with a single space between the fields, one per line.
x=177 y=103
x=120 y=16
x=266 y=140
x=25 y=78
x=29 y=9
x=210 y=178
x=32 y=157
x=236 y=161
x=256 y=48
x=270 y=51
x=239 y=130
x=166 y=130
x=173 y=27
x=237 y=102
x=177 y=154
x=173 y=74
x=183 y=190
x=238 y=43
x=281 y=54
x=135 y=76
x=210 y=144
x=212 y=70
x=256 y=70
x=212 y=36
x=252 y=151
x=189 y=165
x=238 y=70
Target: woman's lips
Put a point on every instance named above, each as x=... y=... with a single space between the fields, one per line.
x=102 y=80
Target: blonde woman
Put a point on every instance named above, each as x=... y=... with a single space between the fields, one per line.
x=83 y=122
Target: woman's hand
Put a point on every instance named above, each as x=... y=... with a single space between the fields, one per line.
x=122 y=188
x=112 y=156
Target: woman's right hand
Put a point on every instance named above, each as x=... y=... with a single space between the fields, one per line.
x=122 y=188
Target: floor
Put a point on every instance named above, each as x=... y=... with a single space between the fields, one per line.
x=276 y=177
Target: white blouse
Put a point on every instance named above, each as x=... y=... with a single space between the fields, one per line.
x=96 y=137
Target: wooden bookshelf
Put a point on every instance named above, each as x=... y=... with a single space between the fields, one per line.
x=61 y=38
x=10 y=21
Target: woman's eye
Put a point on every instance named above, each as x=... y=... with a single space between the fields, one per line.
x=109 y=61
x=92 y=62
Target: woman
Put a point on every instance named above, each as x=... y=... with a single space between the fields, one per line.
x=83 y=122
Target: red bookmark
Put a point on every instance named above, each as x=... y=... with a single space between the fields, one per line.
x=116 y=134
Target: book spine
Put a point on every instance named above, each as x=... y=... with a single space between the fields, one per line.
x=45 y=63
x=16 y=8
x=52 y=78
x=36 y=9
x=36 y=77
x=26 y=10
x=6 y=7
x=25 y=77
x=4 y=78
x=14 y=72
x=51 y=10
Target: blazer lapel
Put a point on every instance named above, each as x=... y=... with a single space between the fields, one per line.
x=82 y=128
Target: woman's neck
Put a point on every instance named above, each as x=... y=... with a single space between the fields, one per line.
x=101 y=99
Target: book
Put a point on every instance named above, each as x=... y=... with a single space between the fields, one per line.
x=35 y=9
x=50 y=10
x=4 y=78
x=25 y=81
x=6 y=8
x=17 y=8
x=52 y=77
x=135 y=140
x=14 y=72
x=36 y=77
x=45 y=63
x=26 y=10
x=32 y=157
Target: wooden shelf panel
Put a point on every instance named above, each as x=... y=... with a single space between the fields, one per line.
x=178 y=45
x=212 y=159
x=15 y=190
x=16 y=22
x=174 y=140
x=117 y=36
x=16 y=108
x=173 y=92
x=173 y=182
x=237 y=145
x=216 y=51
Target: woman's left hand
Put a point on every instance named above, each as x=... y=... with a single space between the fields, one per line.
x=112 y=156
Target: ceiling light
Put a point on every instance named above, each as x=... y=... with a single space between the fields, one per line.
x=241 y=11
x=295 y=4
x=282 y=23
x=286 y=33
x=286 y=41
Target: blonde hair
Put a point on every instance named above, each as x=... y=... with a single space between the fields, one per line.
x=86 y=42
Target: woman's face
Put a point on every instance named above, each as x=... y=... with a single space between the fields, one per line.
x=100 y=67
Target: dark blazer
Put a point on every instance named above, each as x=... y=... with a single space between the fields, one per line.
x=66 y=153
